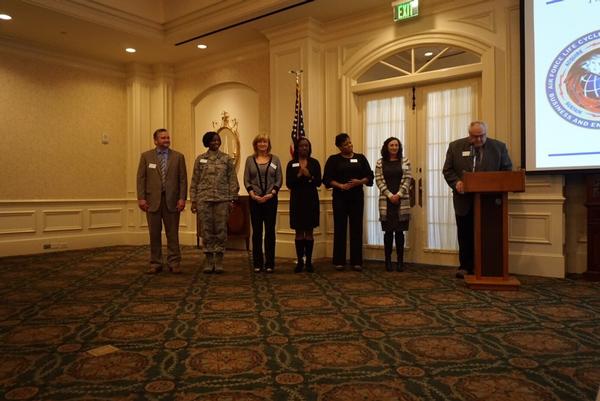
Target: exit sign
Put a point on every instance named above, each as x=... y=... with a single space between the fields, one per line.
x=405 y=9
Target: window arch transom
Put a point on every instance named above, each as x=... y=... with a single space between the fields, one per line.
x=417 y=60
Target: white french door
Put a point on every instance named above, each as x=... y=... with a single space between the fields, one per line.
x=425 y=123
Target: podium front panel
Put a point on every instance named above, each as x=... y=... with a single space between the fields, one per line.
x=492 y=257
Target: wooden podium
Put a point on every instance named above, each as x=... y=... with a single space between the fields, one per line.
x=491 y=190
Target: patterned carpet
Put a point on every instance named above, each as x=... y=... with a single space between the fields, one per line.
x=331 y=336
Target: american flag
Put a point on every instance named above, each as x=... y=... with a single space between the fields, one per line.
x=298 y=127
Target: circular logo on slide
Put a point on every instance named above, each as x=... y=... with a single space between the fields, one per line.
x=573 y=82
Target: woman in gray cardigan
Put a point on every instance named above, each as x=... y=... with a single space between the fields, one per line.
x=263 y=179
x=393 y=177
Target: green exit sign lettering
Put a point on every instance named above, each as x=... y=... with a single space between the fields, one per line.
x=406 y=9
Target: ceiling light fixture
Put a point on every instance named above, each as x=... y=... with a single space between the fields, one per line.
x=428 y=54
x=130 y=50
x=201 y=46
x=5 y=17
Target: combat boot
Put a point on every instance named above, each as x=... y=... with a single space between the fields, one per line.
x=207 y=265
x=218 y=263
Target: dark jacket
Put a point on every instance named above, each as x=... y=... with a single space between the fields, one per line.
x=342 y=169
x=459 y=158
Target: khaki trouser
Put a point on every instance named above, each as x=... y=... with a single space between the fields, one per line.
x=155 y=223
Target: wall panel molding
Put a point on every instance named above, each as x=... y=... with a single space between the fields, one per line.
x=131 y=217
x=537 y=264
x=517 y=199
x=530 y=228
x=17 y=222
x=105 y=218
x=62 y=220
x=47 y=225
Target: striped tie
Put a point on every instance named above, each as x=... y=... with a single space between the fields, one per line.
x=162 y=160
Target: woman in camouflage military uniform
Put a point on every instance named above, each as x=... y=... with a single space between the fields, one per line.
x=214 y=187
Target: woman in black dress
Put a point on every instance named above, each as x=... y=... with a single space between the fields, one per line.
x=347 y=172
x=393 y=177
x=303 y=177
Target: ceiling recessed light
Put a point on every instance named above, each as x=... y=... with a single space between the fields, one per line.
x=428 y=54
x=130 y=50
x=201 y=46
x=5 y=17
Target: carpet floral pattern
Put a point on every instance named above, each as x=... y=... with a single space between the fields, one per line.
x=327 y=336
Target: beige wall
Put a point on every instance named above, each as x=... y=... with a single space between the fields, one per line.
x=195 y=82
x=54 y=114
x=335 y=55
x=241 y=104
x=53 y=117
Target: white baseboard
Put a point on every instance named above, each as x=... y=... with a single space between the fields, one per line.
x=35 y=245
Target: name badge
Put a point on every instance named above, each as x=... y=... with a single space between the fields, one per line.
x=295 y=164
x=353 y=160
x=274 y=166
x=466 y=153
x=151 y=165
x=203 y=160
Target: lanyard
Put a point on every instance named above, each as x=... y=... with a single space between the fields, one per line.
x=263 y=186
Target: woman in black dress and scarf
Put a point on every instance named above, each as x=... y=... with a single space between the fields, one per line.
x=347 y=172
x=393 y=177
x=303 y=177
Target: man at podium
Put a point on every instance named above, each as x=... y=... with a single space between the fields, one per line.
x=473 y=153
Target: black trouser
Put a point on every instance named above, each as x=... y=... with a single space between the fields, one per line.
x=466 y=241
x=263 y=214
x=347 y=209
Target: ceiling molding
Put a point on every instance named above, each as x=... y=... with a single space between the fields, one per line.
x=227 y=13
x=484 y=20
x=115 y=24
x=204 y=19
x=139 y=71
x=300 y=29
x=224 y=60
x=100 y=14
x=439 y=6
x=29 y=50
x=348 y=28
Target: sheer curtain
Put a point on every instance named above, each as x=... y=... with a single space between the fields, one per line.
x=449 y=113
x=383 y=118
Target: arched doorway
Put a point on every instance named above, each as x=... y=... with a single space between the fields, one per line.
x=425 y=93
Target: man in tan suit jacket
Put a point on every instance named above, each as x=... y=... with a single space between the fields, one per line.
x=161 y=193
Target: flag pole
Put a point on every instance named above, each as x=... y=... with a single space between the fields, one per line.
x=298 y=73
x=297 y=128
